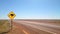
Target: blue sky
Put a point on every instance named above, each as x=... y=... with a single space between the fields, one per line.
x=30 y=9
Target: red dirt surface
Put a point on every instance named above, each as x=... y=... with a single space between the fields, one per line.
x=16 y=29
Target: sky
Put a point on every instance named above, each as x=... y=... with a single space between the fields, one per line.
x=30 y=9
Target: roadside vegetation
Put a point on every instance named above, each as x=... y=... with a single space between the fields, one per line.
x=4 y=26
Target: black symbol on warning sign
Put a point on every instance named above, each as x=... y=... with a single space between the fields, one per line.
x=12 y=14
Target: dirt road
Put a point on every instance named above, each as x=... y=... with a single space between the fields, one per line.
x=29 y=27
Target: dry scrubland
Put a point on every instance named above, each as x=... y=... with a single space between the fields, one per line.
x=4 y=26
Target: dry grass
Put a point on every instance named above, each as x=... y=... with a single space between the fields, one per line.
x=4 y=26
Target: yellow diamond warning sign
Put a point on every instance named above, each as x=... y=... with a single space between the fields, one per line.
x=11 y=15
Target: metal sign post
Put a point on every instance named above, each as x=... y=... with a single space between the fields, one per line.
x=11 y=15
x=11 y=24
